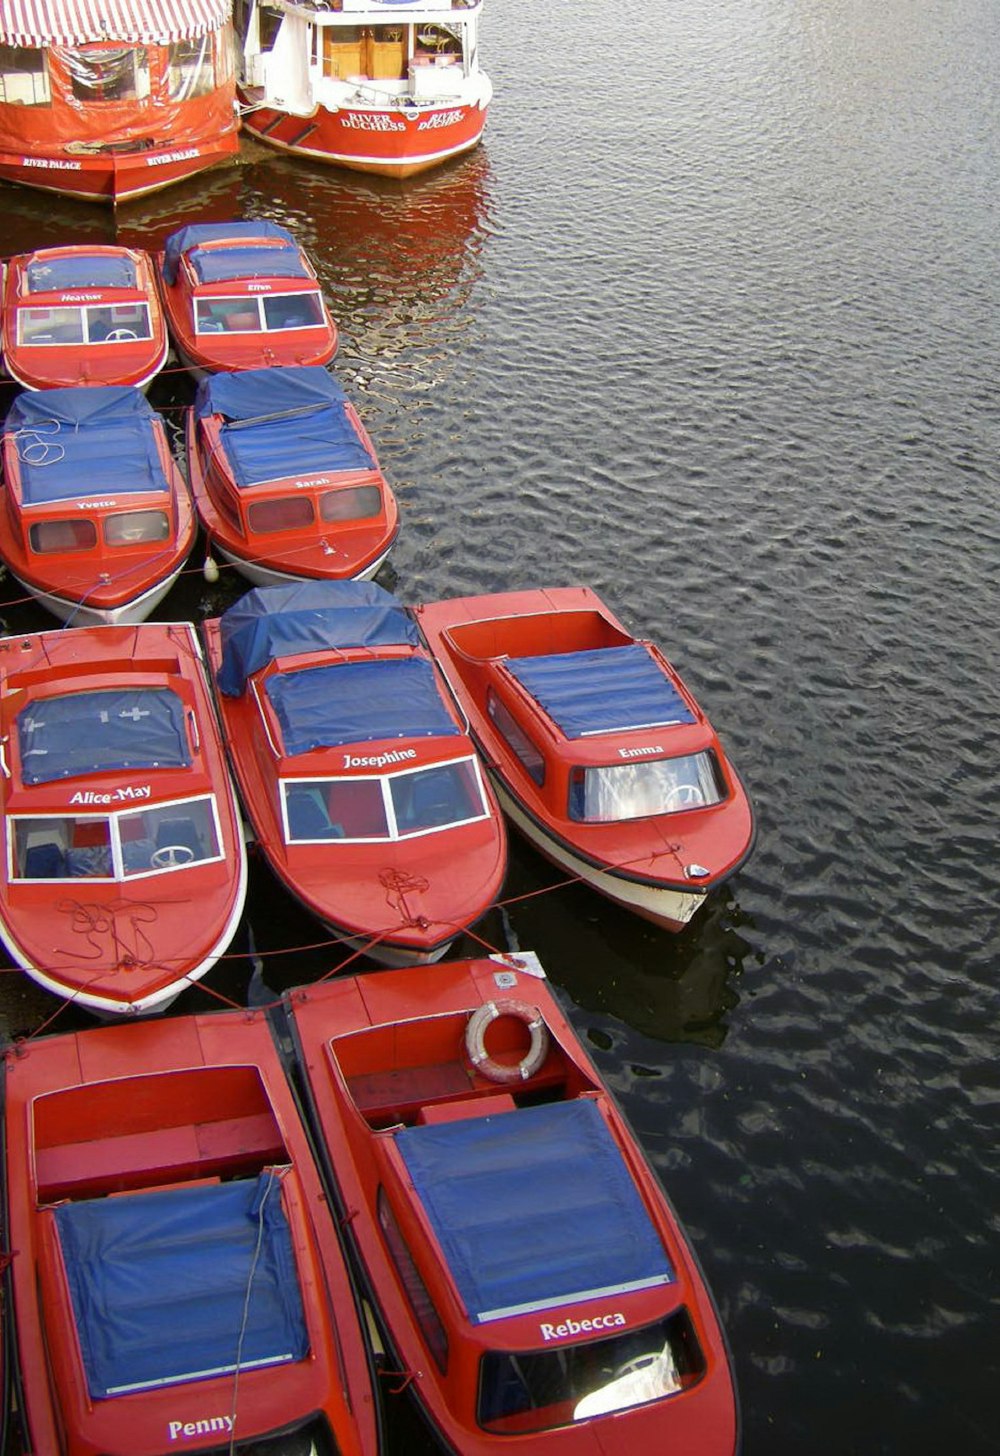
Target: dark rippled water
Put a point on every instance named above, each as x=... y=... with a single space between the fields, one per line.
x=710 y=323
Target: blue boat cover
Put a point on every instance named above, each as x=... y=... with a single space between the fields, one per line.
x=198 y=233
x=358 y=702
x=170 y=1286
x=84 y=733
x=81 y=270
x=74 y=443
x=306 y=616
x=282 y=422
x=602 y=690
x=533 y=1208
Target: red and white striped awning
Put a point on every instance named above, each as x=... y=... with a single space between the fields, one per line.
x=75 y=22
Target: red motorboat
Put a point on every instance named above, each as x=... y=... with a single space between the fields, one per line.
x=177 y=1281
x=285 y=477
x=599 y=752
x=243 y=295
x=533 y=1283
x=124 y=871
x=85 y=314
x=354 y=766
x=98 y=519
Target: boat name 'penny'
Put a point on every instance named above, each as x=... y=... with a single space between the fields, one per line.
x=177 y=1430
x=580 y=1327
x=379 y=760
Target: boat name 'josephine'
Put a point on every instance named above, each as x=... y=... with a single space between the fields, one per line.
x=580 y=1327
x=379 y=760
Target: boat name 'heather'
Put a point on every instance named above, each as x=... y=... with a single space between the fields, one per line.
x=179 y=1429
x=580 y=1327
x=379 y=760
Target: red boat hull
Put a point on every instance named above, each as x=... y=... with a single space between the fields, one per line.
x=389 y=143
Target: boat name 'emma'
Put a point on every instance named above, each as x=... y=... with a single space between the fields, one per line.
x=222 y=1424
x=580 y=1327
x=379 y=760
x=88 y=796
x=646 y=750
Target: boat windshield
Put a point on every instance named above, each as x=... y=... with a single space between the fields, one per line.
x=241 y=314
x=533 y=1390
x=116 y=846
x=298 y=512
x=387 y=806
x=114 y=323
x=643 y=787
x=79 y=533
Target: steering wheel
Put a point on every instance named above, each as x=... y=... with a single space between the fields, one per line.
x=685 y=796
x=170 y=855
x=117 y=335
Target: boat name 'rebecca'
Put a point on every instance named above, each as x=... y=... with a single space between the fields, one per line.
x=640 y=752
x=379 y=760
x=207 y=1427
x=580 y=1327
x=87 y=796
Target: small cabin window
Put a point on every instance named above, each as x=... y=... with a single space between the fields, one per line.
x=516 y=738
x=227 y=316
x=49 y=537
x=134 y=528
x=106 y=73
x=436 y=798
x=190 y=68
x=50 y=326
x=644 y=787
x=356 y=503
x=293 y=311
x=285 y=513
x=118 y=323
x=24 y=76
x=416 y=1290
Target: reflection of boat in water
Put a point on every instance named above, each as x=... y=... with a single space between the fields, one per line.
x=105 y=103
x=388 y=88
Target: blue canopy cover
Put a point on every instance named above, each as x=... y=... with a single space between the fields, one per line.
x=83 y=733
x=81 y=270
x=199 y=233
x=358 y=702
x=170 y=1287
x=74 y=443
x=602 y=690
x=533 y=1208
x=292 y=424
x=306 y=616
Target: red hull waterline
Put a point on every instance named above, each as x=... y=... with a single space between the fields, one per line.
x=387 y=143
x=116 y=177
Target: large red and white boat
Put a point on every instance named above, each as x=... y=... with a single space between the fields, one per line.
x=110 y=102
x=533 y=1284
x=391 y=87
x=97 y=519
x=123 y=871
x=82 y=315
x=600 y=754
x=355 y=768
x=243 y=295
x=175 y=1280
x=285 y=477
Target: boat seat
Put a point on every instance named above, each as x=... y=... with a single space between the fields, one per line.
x=433 y=800
x=307 y=819
x=45 y=862
x=179 y=831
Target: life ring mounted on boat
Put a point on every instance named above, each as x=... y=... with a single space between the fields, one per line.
x=475 y=1041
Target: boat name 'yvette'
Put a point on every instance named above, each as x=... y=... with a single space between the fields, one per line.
x=580 y=1327
x=119 y=796
x=379 y=760
x=178 y=1429
x=643 y=752
x=96 y=505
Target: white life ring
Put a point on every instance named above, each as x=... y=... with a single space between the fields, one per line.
x=475 y=1041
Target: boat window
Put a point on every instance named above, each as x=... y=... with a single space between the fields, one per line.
x=48 y=537
x=415 y=1289
x=436 y=798
x=516 y=738
x=534 y=1390
x=116 y=846
x=190 y=68
x=643 y=787
x=118 y=323
x=108 y=73
x=24 y=76
x=132 y=528
x=50 y=326
x=355 y=503
x=294 y=311
x=285 y=513
x=352 y=809
x=227 y=316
